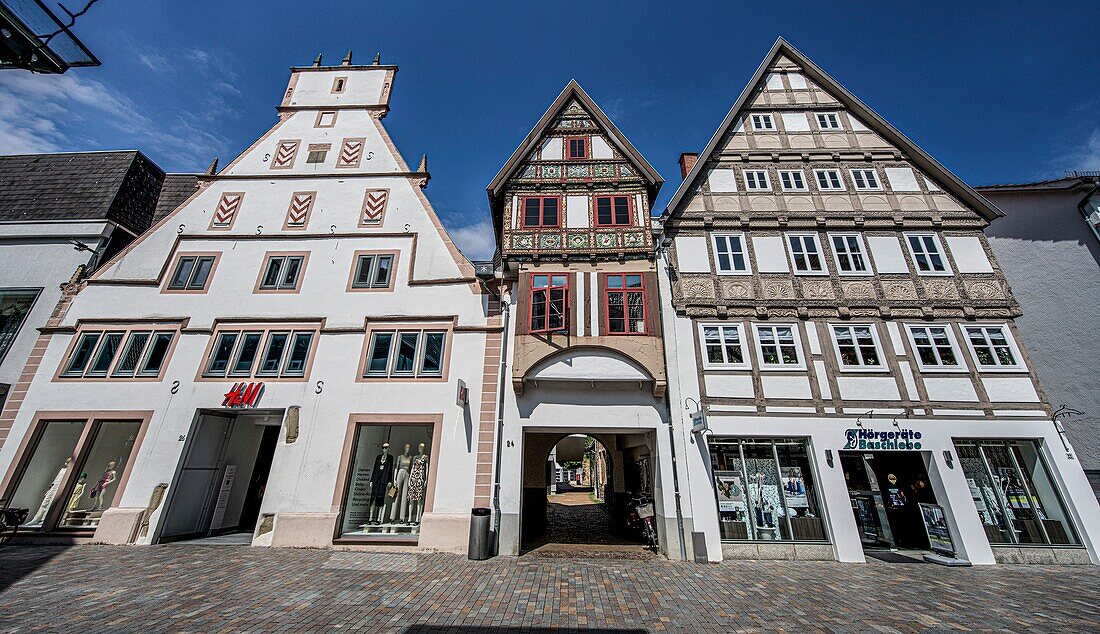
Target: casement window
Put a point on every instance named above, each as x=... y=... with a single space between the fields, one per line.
x=624 y=302
x=577 y=147
x=806 y=253
x=927 y=253
x=272 y=352
x=405 y=353
x=829 y=180
x=317 y=156
x=865 y=180
x=191 y=273
x=282 y=272
x=613 y=211
x=777 y=347
x=828 y=121
x=729 y=253
x=541 y=211
x=723 y=346
x=136 y=353
x=857 y=347
x=993 y=348
x=934 y=347
x=850 y=254
x=757 y=180
x=373 y=270
x=549 y=303
x=15 y=305
x=792 y=180
x=763 y=122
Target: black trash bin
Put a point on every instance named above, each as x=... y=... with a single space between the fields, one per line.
x=479 y=533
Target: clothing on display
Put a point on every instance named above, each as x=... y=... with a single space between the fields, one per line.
x=51 y=493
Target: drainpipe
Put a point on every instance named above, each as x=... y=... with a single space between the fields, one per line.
x=671 y=432
x=500 y=424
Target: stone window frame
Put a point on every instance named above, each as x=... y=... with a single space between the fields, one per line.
x=742 y=334
x=1013 y=346
x=781 y=367
x=265 y=330
x=127 y=330
x=406 y=326
x=956 y=349
x=279 y=288
x=820 y=253
x=882 y=368
x=744 y=252
x=942 y=252
x=864 y=251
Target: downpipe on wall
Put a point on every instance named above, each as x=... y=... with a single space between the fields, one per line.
x=671 y=433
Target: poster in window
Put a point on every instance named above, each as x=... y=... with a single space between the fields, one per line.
x=731 y=493
x=794 y=488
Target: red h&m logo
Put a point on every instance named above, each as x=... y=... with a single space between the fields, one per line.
x=243 y=395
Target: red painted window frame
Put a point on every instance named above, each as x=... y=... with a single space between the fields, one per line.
x=624 y=291
x=531 y=302
x=629 y=210
x=542 y=211
x=569 y=150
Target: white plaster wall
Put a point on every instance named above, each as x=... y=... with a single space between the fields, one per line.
x=968 y=254
x=771 y=257
x=785 y=387
x=868 y=388
x=886 y=252
x=691 y=254
x=552 y=149
x=1010 y=389
x=729 y=385
x=576 y=212
x=722 y=180
x=941 y=388
x=902 y=179
x=600 y=148
x=363 y=87
x=795 y=122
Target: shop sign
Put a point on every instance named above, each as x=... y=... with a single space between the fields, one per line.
x=243 y=395
x=935 y=524
x=875 y=440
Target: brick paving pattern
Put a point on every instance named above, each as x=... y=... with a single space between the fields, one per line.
x=191 y=588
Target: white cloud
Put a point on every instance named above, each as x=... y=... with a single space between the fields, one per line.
x=154 y=61
x=1085 y=158
x=477 y=241
x=49 y=113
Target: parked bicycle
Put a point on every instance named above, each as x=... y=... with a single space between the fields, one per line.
x=642 y=520
x=10 y=520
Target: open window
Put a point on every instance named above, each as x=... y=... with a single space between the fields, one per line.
x=549 y=303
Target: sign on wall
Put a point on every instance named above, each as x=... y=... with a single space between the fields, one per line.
x=875 y=440
x=243 y=395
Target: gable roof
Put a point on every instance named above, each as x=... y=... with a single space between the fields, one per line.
x=919 y=157
x=176 y=189
x=571 y=91
x=118 y=186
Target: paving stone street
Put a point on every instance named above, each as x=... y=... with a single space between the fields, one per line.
x=194 y=588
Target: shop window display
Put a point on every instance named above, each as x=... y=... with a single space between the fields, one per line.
x=99 y=471
x=45 y=472
x=765 y=490
x=1014 y=494
x=388 y=481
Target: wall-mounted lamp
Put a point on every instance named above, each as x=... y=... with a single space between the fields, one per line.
x=949 y=458
x=829 y=457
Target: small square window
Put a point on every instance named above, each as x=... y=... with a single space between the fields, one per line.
x=325 y=119
x=829 y=180
x=993 y=348
x=729 y=253
x=192 y=272
x=317 y=156
x=806 y=253
x=865 y=180
x=927 y=253
x=757 y=180
x=282 y=273
x=723 y=346
x=763 y=122
x=857 y=347
x=849 y=254
x=373 y=270
x=339 y=84
x=577 y=147
x=792 y=180
x=828 y=121
x=777 y=347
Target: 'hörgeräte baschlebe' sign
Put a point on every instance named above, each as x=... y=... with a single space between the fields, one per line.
x=875 y=440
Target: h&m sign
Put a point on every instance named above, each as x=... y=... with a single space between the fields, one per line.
x=243 y=395
x=875 y=440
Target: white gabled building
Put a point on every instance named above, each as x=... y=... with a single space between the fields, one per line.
x=834 y=309
x=279 y=356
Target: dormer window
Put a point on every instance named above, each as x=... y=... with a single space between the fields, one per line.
x=577 y=147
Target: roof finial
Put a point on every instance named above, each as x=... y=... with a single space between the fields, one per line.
x=213 y=169
x=423 y=169
x=377 y=58
x=347 y=60
x=317 y=60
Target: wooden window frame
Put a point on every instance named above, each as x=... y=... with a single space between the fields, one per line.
x=960 y=365
x=259 y=288
x=841 y=187
x=836 y=119
x=863 y=252
x=881 y=367
x=569 y=148
x=629 y=210
x=531 y=289
x=767 y=187
x=802 y=236
x=764 y=117
x=1013 y=347
x=542 y=211
x=267 y=329
x=726 y=235
x=746 y=363
x=127 y=330
x=624 y=291
x=758 y=343
x=940 y=251
x=863 y=172
x=801 y=174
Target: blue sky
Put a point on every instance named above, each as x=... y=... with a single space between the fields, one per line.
x=996 y=93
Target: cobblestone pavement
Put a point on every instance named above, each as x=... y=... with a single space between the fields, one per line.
x=191 y=588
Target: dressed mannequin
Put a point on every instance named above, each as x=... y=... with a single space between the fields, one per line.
x=99 y=491
x=401 y=483
x=78 y=491
x=418 y=483
x=51 y=493
x=380 y=478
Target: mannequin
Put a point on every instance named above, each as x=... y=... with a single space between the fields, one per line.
x=99 y=491
x=418 y=483
x=380 y=478
x=51 y=492
x=401 y=483
x=78 y=491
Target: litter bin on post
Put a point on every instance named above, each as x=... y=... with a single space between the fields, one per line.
x=479 y=533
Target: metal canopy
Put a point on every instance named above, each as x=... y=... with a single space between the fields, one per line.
x=33 y=38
